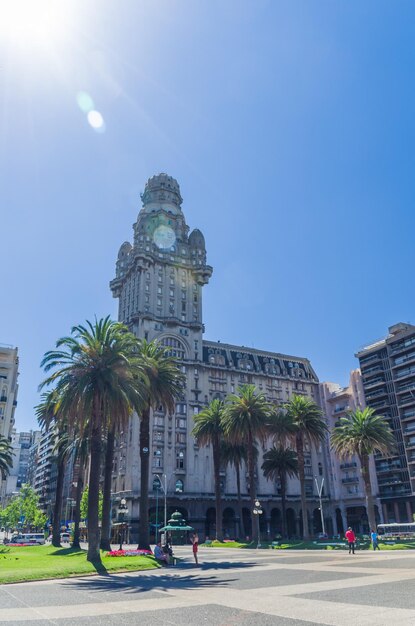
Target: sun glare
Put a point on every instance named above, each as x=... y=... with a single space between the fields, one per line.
x=33 y=22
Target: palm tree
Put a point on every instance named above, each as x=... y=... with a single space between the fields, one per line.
x=47 y=417
x=280 y=463
x=97 y=380
x=363 y=433
x=163 y=385
x=106 y=492
x=6 y=456
x=245 y=421
x=304 y=425
x=76 y=447
x=236 y=454
x=208 y=430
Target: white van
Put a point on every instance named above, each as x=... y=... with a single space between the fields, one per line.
x=38 y=538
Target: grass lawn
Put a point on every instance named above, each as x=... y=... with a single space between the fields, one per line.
x=40 y=562
x=312 y=545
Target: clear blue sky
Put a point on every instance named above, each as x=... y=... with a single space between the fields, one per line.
x=290 y=128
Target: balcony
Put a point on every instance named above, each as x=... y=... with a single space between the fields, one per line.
x=407 y=400
x=349 y=465
x=404 y=345
x=350 y=480
x=341 y=409
x=406 y=387
x=376 y=394
x=374 y=382
x=370 y=359
x=402 y=360
x=409 y=429
x=407 y=371
x=388 y=467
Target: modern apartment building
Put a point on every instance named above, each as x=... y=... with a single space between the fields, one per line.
x=388 y=374
x=21 y=442
x=345 y=481
x=159 y=284
x=9 y=372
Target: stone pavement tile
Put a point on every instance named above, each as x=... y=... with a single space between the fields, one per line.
x=282 y=577
x=209 y=614
x=405 y=563
x=396 y=595
x=319 y=560
x=61 y=595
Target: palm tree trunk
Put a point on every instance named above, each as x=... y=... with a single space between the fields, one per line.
x=238 y=491
x=301 y=475
x=283 y=483
x=77 y=510
x=57 y=509
x=93 y=496
x=218 y=495
x=144 y=531
x=252 y=494
x=106 y=500
x=364 y=463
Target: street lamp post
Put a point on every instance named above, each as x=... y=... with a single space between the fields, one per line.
x=122 y=514
x=257 y=510
x=320 y=493
x=164 y=487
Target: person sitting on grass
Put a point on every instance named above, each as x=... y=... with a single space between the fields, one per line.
x=160 y=555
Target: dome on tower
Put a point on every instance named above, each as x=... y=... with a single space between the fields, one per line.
x=162 y=188
x=124 y=250
x=196 y=239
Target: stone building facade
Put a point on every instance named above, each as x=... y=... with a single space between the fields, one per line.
x=9 y=373
x=159 y=284
x=346 y=485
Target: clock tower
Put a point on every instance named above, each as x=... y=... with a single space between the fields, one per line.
x=159 y=278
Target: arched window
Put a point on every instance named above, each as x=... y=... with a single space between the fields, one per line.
x=175 y=347
x=179 y=488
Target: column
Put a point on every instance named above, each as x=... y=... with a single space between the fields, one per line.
x=396 y=509
x=409 y=511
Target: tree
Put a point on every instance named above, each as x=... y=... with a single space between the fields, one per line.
x=46 y=413
x=208 y=430
x=23 y=510
x=303 y=424
x=280 y=463
x=163 y=385
x=106 y=507
x=245 y=421
x=85 y=504
x=363 y=433
x=76 y=447
x=97 y=378
x=6 y=456
x=236 y=454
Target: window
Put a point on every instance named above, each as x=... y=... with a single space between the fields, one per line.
x=176 y=347
x=180 y=460
x=320 y=469
x=179 y=488
x=181 y=422
x=159 y=290
x=171 y=293
x=158 y=301
x=183 y=294
x=180 y=437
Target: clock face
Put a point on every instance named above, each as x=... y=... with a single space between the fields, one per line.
x=164 y=237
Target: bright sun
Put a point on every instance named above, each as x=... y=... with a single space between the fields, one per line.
x=33 y=22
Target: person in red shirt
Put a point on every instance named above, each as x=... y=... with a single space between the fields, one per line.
x=195 y=541
x=351 y=539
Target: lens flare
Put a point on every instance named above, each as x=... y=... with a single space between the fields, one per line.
x=164 y=237
x=85 y=102
x=96 y=120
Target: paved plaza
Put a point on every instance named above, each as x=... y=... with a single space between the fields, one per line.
x=230 y=588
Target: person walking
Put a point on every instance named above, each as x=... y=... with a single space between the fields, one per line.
x=375 y=540
x=195 y=541
x=351 y=539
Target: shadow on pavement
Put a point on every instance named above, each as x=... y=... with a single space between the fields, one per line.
x=138 y=584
